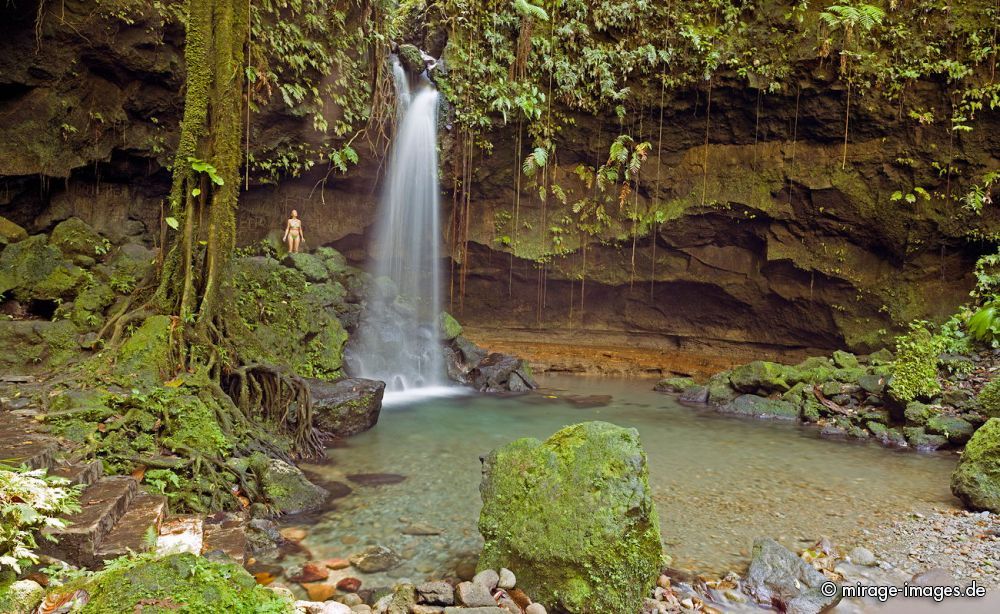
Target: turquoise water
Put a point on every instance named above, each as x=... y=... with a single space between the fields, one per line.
x=718 y=481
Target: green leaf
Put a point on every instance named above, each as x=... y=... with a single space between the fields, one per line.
x=196 y=192
x=172 y=222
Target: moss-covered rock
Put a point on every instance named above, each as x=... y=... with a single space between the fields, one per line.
x=411 y=59
x=957 y=430
x=674 y=384
x=845 y=360
x=21 y=597
x=182 y=583
x=760 y=407
x=326 y=294
x=575 y=517
x=720 y=391
x=33 y=269
x=33 y=344
x=919 y=438
x=74 y=237
x=450 y=328
x=918 y=414
x=760 y=375
x=346 y=407
x=311 y=266
x=976 y=481
x=334 y=261
x=287 y=489
x=10 y=232
x=89 y=305
x=988 y=398
x=145 y=355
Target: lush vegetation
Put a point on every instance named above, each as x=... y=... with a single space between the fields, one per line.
x=30 y=501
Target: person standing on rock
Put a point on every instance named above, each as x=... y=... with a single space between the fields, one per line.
x=293 y=233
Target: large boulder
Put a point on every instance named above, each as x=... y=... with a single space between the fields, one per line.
x=575 y=516
x=74 y=237
x=347 y=406
x=760 y=375
x=311 y=266
x=976 y=480
x=779 y=579
x=287 y=489
x=20 y=597
x=502 y=372
x=33 y=344
x=33 y=269
x=10 y=232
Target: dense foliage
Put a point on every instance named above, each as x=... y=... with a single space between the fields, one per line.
x=30 y=501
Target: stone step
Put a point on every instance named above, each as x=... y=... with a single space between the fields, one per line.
x=102 y=504
x=84 y=472
x=227 y=537
x=136 y=530
x=20 y=444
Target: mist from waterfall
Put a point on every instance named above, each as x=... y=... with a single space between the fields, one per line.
x=398 y=340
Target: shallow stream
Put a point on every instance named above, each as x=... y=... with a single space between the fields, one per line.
x=718 y=481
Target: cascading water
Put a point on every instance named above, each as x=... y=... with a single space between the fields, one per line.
x=398 y=339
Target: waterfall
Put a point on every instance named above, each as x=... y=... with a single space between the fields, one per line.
x=398 y=340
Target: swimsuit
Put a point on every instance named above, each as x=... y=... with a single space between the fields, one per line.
x=294 y=228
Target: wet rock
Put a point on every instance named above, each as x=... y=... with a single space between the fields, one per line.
x=695 y=394
x=318 y=591
x=336 y=564
x=502 y=373
x=917 y=413
x=376 y=479
x=759 y=407
x=488 y=578
x=436 y=593
x=347 y=406
x=349 y=585
x=288 y=490
x=589 y=495
x=588 y=401
x=506 y=579
x=872 y=383
x=719 y=390
x=976 y=480
x=421 y=529
x=778 y=578
x=311 y=572
x=674 y=384
x=957 y=430
x=473 y=595
x=918 y=438
x=470 y=353
x=375 y=559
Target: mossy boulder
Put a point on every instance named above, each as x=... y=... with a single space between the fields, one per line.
x=89 y=305
x=311 y=266
x=21 y=597
x=11 y=232
x=574 y=515
x=33 y=269
x=845 y=360
x=335 y=262
x=450 y=328
x=917 y=413
x=760 y=407
x=182 y=583
x=287 y=489
x=326 y=294
x=720 y=391
x=976 y=481
x=988 y=398
x=411 y=59
x=957 y=430
x=74 y=237
x=919 y=438
x=346 y=407
x=30 y=344
x=145 y=355
x=674 y=384
x=881 y=357
x=760 y=375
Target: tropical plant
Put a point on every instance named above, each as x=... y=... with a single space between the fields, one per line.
x=30 y=501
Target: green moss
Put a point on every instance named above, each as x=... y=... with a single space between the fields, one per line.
x=674 y=384
x=760 y=375
x=845 y=360
x=33 y=269
x=146 y=353
x=450 y=328
x=10 y=232
x=90 y=303
x=976 y=481
x=574 y=515
x=411 y=59
x=989 y=398
x=311 y=266
x=75 y=237
x=914 y=372
x=182 y=583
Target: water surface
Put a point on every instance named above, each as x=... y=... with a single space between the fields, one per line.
x=718 y=481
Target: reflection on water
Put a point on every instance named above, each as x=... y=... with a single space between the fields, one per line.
x=718 y=481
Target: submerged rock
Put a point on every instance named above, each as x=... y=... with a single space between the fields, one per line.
x=976 y=481
x=575 y=516
x=782 y=580
x=346 y=407
x=374 y=559
x=674 y=384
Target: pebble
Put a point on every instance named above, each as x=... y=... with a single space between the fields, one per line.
x=294 y=534
x=473 y=595
x=488 y=578
x=535 y=608
x=862 y=556
x=506 y=580
x=319 y=591
x=336 y=564
x=349 y=585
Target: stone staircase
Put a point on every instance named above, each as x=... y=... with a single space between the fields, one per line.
x=116 y=516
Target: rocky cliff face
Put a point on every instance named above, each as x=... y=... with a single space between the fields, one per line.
x=769 y=238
